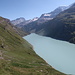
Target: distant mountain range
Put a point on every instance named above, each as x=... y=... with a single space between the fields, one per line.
x=19 y=22
x=32 y=27
x=58 y=24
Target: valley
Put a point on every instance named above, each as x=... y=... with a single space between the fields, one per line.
x=17 y=56
x=43 y=45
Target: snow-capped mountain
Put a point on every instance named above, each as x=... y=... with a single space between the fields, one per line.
x=51 y=15
x=35 y=19
x=43 y=18
x=18 y=20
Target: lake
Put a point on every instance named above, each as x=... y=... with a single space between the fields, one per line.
x=59 y=54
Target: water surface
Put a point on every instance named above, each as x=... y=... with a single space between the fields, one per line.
x=59 y=54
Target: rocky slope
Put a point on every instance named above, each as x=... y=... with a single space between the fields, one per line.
x=17 y=56
x=20 y=22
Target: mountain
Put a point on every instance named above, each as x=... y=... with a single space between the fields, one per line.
x=17 y=56
x=62 y=27
x=20 y=22
x=48 y=16
x=33 y=26
x=18 y=30
x=58 y=24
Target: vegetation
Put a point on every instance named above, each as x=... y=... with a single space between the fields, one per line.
x=17 y=56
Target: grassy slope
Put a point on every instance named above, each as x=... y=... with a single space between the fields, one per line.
x=17 y=56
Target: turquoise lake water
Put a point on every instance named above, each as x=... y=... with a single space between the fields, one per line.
x=59 y=54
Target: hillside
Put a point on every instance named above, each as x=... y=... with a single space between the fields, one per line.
x=62 y=27
x=17 y=56
x=20 y=32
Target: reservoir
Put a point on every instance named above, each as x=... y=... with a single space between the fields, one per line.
x=59 y=54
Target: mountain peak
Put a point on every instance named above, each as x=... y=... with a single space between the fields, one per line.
x=18 y=21
x=48 y=16
x=62 y=8
x=35 y=18
x=21 y=18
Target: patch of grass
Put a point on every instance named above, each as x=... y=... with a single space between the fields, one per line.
x=20 y=65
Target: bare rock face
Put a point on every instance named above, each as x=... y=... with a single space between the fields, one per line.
x=18 y=20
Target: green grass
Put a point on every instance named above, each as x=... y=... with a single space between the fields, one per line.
x=18 y=56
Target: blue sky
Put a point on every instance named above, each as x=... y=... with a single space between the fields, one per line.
x=29 y=9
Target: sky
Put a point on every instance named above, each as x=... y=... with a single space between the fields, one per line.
x=29 y=9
